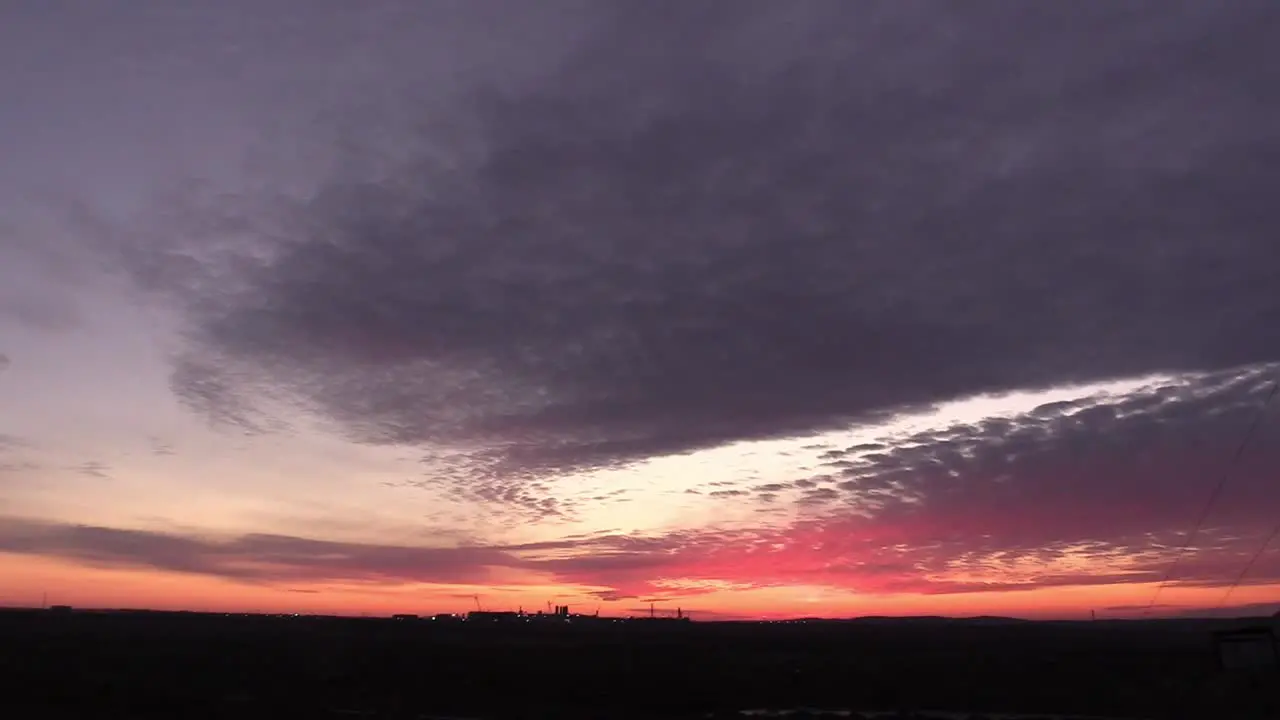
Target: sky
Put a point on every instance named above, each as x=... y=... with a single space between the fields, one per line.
x=748 y=308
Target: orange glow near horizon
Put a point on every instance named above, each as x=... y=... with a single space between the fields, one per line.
x=822 y=525
x=67 y=583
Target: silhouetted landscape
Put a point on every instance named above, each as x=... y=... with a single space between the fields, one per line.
x=135 y=664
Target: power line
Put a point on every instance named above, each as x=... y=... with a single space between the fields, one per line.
x=1266 y=542
x=1248 y=566
x=1217 y=492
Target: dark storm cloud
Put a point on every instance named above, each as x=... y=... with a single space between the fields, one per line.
x=722 y=221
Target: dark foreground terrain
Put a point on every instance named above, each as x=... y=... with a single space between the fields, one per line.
x=91 y=665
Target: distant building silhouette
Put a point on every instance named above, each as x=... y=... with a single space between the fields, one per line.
x=1252 y=648
x=493 y=616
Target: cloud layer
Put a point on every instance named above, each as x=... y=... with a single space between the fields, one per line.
x=1086 y=493
x=696 y=233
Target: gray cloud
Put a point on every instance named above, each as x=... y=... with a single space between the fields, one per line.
x=1109 y=486
x=1097 y=468
x=1014 y=541
x=1093 y=492
x=13 y=464
x=251 y=558
x=161 y=447
x=42 y=275
x=710 y=225
x=1251 y=610
x=94 y=469
x=34 y=311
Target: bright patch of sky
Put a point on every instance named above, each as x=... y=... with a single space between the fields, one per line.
x=660 y=492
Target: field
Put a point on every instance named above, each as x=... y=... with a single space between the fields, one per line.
x=154 y=665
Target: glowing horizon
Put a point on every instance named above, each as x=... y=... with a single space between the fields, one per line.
x=793 y=317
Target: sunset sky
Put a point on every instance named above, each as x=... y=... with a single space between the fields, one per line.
x=751 y=308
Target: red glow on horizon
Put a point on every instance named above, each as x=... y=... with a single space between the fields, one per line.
x=69 y=584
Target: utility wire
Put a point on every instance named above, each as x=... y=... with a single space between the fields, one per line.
x=1248 y=566
x=1213 y=497
x=1266 y=542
